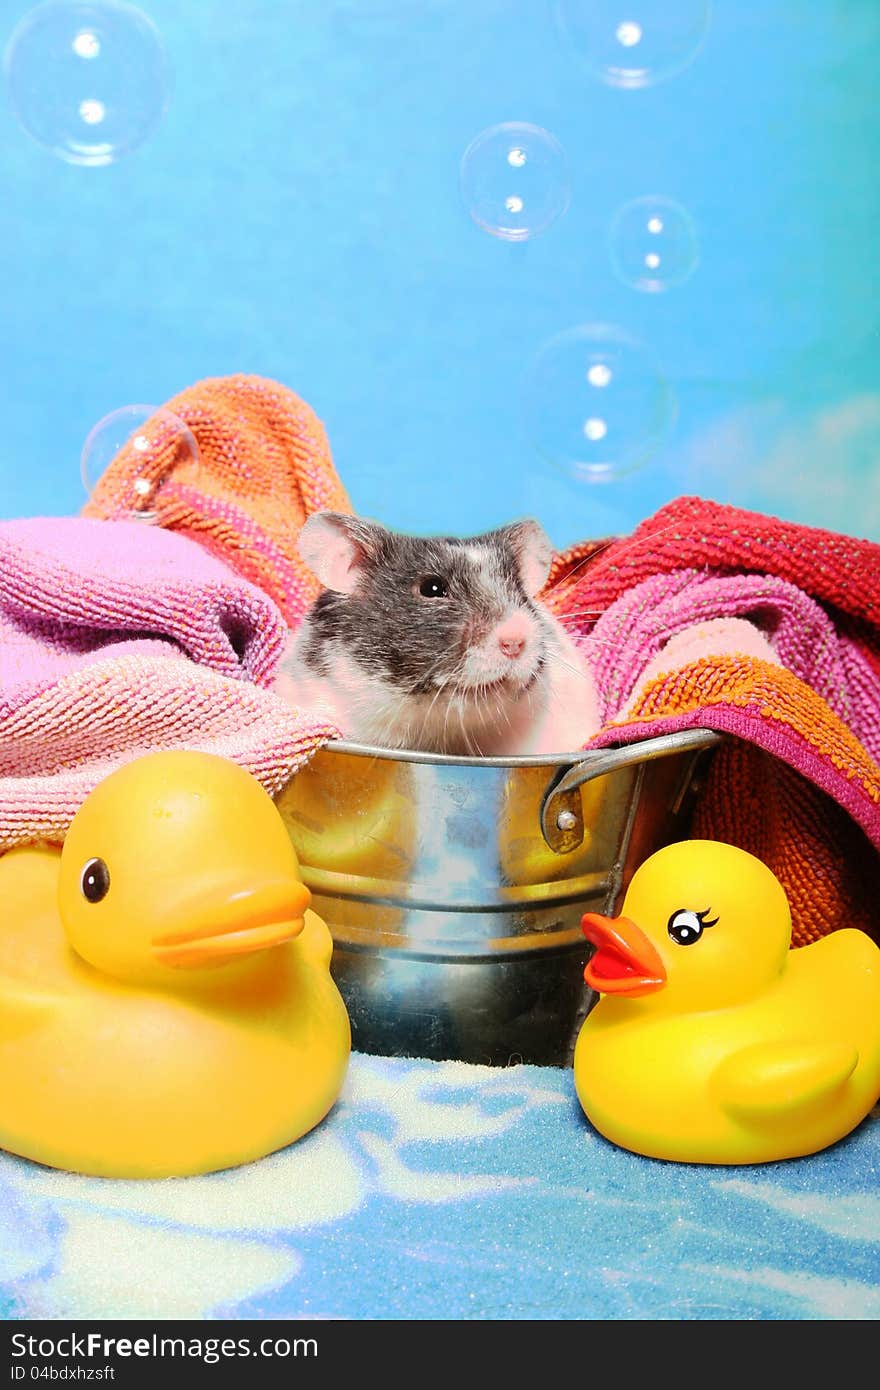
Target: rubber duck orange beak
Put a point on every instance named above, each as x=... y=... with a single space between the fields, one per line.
x=624 y=961
x=247 y=921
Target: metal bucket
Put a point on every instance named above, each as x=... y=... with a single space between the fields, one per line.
x=454 y=887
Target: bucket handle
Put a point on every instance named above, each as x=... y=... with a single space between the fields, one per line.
x=562 y=823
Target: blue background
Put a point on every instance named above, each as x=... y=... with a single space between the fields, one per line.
x=298 y=214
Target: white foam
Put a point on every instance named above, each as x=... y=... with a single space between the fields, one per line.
x=313 y=1181
x=109 y=1267
x=838 y=1299
x=855 y=1216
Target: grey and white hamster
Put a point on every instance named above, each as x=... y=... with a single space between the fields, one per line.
x=436 y=644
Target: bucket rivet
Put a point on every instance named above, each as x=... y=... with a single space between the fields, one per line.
x=566 y=820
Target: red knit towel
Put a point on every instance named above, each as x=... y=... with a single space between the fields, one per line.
x=691 y=533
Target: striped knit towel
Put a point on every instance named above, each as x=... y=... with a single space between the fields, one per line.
x=264 y=466
x=811 y=810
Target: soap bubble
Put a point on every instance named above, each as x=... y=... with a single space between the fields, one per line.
x=597 y=403
x=88 y=79
x=154 y=446
x=653 y=244
x=634 y=44
x=514 y=180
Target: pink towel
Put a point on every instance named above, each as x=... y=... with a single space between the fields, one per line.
x=117 y=638
x=628 y=640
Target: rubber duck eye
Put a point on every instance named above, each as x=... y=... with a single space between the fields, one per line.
x=686 y=927
x=95 y=881
x=433 y=586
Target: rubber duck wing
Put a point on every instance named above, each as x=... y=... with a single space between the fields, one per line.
x=766 y=1079
x=24 y=1007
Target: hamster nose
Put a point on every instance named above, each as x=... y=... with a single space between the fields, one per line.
x=511 y=646
x=512 y=635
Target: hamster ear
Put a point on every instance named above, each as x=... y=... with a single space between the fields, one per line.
x=336 y=547
x=534 y=552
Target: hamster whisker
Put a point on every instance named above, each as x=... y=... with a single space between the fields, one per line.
x=384 y=738
x=441 y=686
x=501 y=708
x=603 y=546
x=405 y=736
x=449 y=704
x=617 y=640
x=472 y=746
x=417 y=687
x=455 y=704
x=567 y=664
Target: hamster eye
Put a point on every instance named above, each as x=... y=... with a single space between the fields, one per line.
x=686 y=927
x=433 y=586
x=95 y=881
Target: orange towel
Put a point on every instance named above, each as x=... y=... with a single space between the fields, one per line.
x=793 y=786
x=264 y=466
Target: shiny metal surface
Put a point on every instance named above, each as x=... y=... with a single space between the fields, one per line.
x=454 y=887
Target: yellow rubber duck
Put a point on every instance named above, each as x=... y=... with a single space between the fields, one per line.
x=166 y=1004
x=713 y=1041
